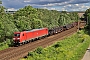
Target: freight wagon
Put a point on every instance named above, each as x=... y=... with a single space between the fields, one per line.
x=25 y=36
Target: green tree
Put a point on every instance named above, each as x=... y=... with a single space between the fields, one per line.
x=7 y=26
x=27 y=11
x=87 y=16
x=36 y=23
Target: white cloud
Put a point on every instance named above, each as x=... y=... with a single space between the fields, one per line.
x=27 y=0
x=53 y=8
x=11 y=9
x=69 y=5
x=77 y=4
x=45 y=8
x=48 y=5
x=63 y=9
x=47 y=0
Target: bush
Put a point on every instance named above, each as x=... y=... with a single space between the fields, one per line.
x=57 y=45
x=3 y=46
x=39 y=50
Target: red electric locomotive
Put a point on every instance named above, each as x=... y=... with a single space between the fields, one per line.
x=24 y=36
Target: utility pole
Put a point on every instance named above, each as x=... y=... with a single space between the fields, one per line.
x=87 y=19
x=78 y=26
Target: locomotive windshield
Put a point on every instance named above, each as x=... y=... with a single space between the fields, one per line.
x=17 y=35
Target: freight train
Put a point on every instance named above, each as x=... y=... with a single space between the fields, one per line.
x=28 y=36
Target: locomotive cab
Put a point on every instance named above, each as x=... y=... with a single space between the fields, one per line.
x=19 y=37
x=16 y=38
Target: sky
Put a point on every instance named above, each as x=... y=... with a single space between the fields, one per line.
x=59 y=5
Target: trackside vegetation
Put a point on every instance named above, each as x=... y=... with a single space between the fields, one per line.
x=5 y=44
x=71 y=48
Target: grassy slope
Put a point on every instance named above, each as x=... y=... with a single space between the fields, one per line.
x=72 y=48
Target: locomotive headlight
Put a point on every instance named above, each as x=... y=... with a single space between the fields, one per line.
x=13 y=38
x=18 y=38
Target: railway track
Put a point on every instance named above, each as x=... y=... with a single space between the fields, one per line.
x=15 y=53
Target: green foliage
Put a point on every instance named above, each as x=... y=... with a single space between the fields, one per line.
x=38 y=18
x=24 y=18
x=2 y=10
x=31 y=54
x=57 y=45
x=66 y=18
x=27 y=11
x=39 y=50
x=70 y=48
x=23 y=23
x=36 y=23
x=5 y=44
x=87 y=16
x=7 y=27
x=87 y=11
x=49 y=17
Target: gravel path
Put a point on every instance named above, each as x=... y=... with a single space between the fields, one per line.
x=87 y=54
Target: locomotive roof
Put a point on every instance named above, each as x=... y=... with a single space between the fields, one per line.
x=35 y=30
